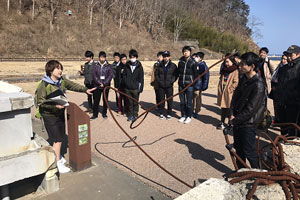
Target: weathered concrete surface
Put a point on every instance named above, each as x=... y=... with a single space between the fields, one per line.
x=216 y=189
x=15 y=123
x=8 y=88
x=292 y=156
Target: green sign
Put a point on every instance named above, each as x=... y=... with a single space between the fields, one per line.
x=83 y=134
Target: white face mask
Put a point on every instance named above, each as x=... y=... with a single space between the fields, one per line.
x=197 y=59
x=133 y=60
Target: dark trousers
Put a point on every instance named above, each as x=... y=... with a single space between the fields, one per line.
x=133 y=106
x=122 y=102
x=225 y=112
x=289 y=114
x=186 y=102
x=97 y=95
x=156 y=95
x=244 y=144
x=90 y=97
x=165 y=93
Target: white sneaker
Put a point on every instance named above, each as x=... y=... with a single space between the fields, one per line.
x=168 y=117
x=187 y=120
x=161 y=117
x=62 y=168
x=181 y=119
x=63 y=160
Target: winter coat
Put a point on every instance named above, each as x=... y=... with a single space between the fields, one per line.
x=225 y=93
x=288 y=85
x=153 y=82
x=166 y=76
x=88 y=73
x=134 y=80
x=269 y=69
x=249 y=102
x=49 y=109
x=187 y=71
x=107 y=73
x=202 y=83
x=115 y=67
x=119 y=83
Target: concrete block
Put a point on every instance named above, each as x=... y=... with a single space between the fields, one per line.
x=50 y=182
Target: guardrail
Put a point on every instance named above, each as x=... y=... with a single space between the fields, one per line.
x=39 y=59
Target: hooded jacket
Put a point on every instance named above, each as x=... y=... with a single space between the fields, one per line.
x=202 y=83
x=187 y=71
x=133 y=80
x=166 y=75
x=249 y=102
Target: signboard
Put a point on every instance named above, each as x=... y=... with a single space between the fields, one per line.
x=82 y=134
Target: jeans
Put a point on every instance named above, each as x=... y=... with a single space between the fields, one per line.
x=244 y=144
x=97 y=95
x=186 y=102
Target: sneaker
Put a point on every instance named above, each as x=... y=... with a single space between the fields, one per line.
x=129 y=118
x=187 y=120
x=63 y=160
x=181 y=120
x=221 y=126
x=134 y=118
x=195 y=115
x=161 y=117
x=168 y=117
x=62 y=168
x=104 y=116
x=93 y=117
x=119 y=113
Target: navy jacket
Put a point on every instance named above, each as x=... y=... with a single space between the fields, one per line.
x=106 y=72
x=202 y=83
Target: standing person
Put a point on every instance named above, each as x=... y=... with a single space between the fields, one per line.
x=102 y=77
x=114 y=67
x=133 y=77
x=88 y=70
x=247 y=106
x=187 y=72
x=53 y=114
x=201 y=84
x=165 y=75
x=266 y=67
x=288 y=90
x=274 y=83
x=153 y=81
x=229 y=78
x=123 y=101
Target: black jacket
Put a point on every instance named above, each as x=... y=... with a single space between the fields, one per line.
x=119 y=82
x=133 y=80
x=166 y=76
x=249 y=102
x=88 y=73
x=288 y=85
x=187 y=71
x=115 y=67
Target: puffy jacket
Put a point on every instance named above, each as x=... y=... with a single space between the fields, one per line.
x=249 y=102
x=88 y=73
x=107 y=73
x=133 y=80
x=166 y=76
x=202 y=83
x=119 y=82
x=187 y=71
x=288 y=85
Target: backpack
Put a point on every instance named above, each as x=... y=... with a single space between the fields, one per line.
x=48 y=91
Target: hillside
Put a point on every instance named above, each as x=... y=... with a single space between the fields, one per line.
x=35 y=28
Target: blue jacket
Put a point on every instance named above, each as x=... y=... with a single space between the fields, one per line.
x=202 y=83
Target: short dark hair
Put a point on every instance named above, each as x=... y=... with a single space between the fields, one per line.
x=265 y=49
x=133 y=53
x=89 y=54
x=51 y=65
x=160 y=53
x=102 y=53
x=186 y=48
x=237 y=55
x=195 y=54
x=201 y=54
x=250 y=58
x=123 y=56
x=117 y=54
x=231 y=58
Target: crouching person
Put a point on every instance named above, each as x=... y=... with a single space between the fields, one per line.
x=247 y=106
x=53 y=84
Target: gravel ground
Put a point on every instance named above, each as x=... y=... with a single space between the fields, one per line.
x=194 y=152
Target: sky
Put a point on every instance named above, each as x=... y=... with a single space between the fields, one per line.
x=281 y=23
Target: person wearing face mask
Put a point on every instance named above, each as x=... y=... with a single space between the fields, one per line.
x=165 y=75
x=102 y=76
x=133 y=77
x=201 y=84
x=229 y=78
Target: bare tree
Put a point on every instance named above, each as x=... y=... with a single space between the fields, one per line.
x=33 y=6
x=91 y=6
x=8 y=5
x=104 y=6
x=53 y=9
x=254 y=23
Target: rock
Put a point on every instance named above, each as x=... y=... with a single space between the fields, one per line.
x=292 y=156
x=216 y=189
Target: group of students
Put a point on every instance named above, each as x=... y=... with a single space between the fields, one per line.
x=245 y=83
